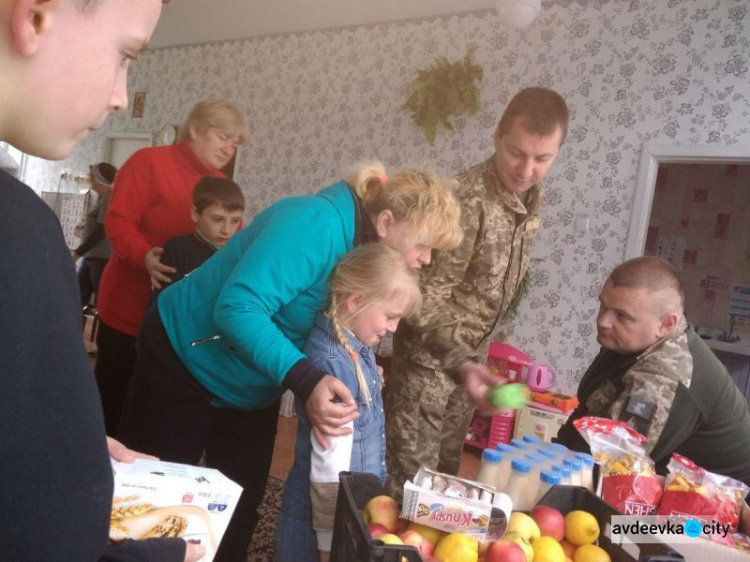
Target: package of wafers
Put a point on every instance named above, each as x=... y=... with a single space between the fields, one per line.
x=448 y=503
x=161 y=499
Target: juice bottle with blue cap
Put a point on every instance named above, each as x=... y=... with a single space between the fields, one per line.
x=547 y=479
x=518 y=484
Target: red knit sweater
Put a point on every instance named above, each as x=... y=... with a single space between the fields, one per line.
x=149 y=204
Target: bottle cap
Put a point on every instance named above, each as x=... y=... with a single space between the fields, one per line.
x=585 y=458
x=549 y=477
x=503 y=448
x=557 y=447
x=519 y=444
x=564 y=472
x=491 y=455
x=521 y=466
x=546 y=453
x=534 y=457
x=573 y=464
x=531 y=439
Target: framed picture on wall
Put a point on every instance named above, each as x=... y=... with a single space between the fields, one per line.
x=139 y=104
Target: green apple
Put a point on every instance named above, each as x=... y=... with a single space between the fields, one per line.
x=524 y=525
x=525 y=545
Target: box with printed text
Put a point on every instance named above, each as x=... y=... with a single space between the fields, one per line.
x=161 y=499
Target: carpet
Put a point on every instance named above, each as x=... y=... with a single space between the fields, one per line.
x=262 y=547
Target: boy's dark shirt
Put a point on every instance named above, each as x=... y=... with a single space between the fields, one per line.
x=186 y=253
x=55 y=476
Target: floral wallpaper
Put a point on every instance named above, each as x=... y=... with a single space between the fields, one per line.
x=633 y=72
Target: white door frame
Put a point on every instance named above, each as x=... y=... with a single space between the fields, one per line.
x=655 y=154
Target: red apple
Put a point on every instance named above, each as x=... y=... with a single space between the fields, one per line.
x=505 y=551
x=376 y=529
x=383 y=510
x=412 y=538
x=550 y=521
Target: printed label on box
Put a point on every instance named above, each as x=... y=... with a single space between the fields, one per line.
x=158 y=499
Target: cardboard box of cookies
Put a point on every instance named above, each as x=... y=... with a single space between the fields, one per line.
x=448 y=503
x=163 y=499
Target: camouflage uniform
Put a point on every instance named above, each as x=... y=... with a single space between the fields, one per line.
x=678 y=395
x=652 y=381
x=466 y=292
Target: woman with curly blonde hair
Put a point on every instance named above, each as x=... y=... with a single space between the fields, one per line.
x=220 y=347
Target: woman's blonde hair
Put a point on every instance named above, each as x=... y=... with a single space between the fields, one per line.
x=217 y=113
x=418 y=198
x=378 y=273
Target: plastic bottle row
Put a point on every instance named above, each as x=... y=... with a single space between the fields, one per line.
x=525 y=469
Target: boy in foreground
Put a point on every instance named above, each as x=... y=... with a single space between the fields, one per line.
x=64 y=69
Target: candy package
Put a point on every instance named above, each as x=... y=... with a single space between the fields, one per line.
x=629 y=482
x=692 y=491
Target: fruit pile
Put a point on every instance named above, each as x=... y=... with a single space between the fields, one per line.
x=544 y=535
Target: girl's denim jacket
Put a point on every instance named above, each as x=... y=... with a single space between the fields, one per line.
x=368 y=438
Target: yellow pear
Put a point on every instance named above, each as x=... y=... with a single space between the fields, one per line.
x=524 y=525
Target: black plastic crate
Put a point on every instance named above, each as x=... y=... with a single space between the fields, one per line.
x=569 y=498
x=351 y=539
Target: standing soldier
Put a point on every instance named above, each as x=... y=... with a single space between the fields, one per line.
x=467 y=291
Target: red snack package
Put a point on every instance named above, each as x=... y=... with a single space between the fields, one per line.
x=693 y=491
x=629 y=483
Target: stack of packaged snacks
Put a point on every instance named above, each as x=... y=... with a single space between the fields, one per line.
x=448 y=503
x=694 y=492
x=629 y=481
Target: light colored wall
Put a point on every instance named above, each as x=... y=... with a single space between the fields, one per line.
x=672 y=71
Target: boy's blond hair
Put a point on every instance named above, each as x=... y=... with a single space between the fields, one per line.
x=378 y=273
x=418 y=198
x=217 y=113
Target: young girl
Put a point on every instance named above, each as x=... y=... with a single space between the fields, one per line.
x=372 y=288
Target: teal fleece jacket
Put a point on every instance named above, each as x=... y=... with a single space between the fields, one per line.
x=239 y=321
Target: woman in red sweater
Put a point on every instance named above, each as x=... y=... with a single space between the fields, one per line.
x=151 y=204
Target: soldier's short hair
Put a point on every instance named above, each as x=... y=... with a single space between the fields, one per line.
x=649 y=273
x=542 y=110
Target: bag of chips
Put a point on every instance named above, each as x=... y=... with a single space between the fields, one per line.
x=629 y=482
x=695 y=492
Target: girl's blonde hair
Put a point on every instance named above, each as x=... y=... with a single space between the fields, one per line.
x=217 y=113
x=378 y=273
x=418 y=198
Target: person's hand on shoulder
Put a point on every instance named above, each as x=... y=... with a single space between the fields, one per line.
x=121 y=453
x=328 y=417
x=157 y=270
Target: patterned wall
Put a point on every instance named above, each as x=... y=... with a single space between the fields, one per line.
x=673 y=71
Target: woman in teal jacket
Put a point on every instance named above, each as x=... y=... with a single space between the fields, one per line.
x=216 y=354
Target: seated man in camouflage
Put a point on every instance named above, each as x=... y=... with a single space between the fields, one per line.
x=655 y=373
